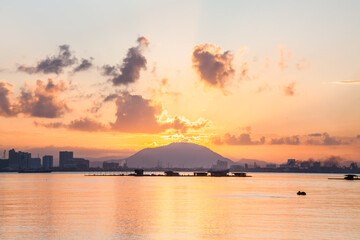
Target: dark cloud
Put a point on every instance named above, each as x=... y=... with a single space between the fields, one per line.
x=133 y=63
x=87 y=124
x=110 y=97
x=54 y=64
x=289 y=89
x=43 y=101
x=50 y=125
x=84 y=65
x=213 y=65
x=6 y=108
x=358 y=136
x=242 y=139
x=315 y=134
x=294 y=140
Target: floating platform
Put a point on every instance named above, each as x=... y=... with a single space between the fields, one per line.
x=139 y=173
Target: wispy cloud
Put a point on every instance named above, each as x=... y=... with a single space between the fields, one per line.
x=284 y=57
x=347 y=82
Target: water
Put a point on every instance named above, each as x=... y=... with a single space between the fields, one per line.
x=73 y=206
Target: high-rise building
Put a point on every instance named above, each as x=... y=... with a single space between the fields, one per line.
x=13 y=160
x=65 y=156
x=19 y=160
x=48 y=162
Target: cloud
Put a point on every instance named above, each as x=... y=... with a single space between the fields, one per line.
x=181 y=123
x=263 y=88
x=134 y=114
x=54 y=64
x=302 y=64
x=326 y=140
x=358 y=136
x=133 y=63
x=348 y=82
x=315 y=134
x=242 y=139
x=213 y=65
x=284 y=57
x=43 y=100
x=110 y=97
x=6 y=108
x=289 y=89
x=163 y=89
x=83 y=124
x=293 y=140
x=244 y=71
x=85 y=64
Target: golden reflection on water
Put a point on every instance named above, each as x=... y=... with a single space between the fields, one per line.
x=72 y=206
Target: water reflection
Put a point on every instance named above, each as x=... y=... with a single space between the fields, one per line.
x=71 y=206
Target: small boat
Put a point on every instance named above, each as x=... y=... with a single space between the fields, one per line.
x=301 y=193
x=347 y=177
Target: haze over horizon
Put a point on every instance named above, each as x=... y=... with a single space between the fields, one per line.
x=267 y=81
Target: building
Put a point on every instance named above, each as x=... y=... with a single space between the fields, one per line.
x=65 y=156
x=48 y=162
x=236 y=168
x=34 y=163
x=220 y=165
x=270 y=165
x=19 y=160
x=76 y=164
x=291 y=162
x=4 y=164
x=110 y=166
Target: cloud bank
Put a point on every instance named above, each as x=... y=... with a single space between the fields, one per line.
x=242 y=139
x=134 y=114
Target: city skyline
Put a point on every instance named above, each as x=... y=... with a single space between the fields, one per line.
x=229 y=76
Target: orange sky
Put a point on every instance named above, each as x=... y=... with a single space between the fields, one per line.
x=246 y=94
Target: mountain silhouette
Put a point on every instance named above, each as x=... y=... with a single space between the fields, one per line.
x=184 y=155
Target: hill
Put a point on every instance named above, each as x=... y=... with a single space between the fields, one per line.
x=184 y=155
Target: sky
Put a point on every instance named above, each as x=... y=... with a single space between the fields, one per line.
x=248 y=79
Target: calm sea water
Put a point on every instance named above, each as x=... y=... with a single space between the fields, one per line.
x=73 y=206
